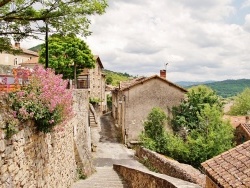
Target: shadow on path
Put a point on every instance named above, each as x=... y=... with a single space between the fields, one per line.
x=109 y=132
x=109 y=149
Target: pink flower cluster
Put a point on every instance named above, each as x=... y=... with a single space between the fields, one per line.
x=53 y=92
x=46 y=97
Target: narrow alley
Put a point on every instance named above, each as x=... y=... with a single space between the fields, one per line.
x=108 y=152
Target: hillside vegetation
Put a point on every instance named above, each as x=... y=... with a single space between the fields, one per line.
x=36 y=48
x=114 y=78
x=229 y=88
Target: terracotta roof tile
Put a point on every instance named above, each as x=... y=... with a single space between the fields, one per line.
x=246 y=127
x=26 y=51
x=231 y=168
x=131 y=83
x=235 y=120
x=33 y=60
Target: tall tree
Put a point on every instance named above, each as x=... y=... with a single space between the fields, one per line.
x=241 y=104
x=213 y=136
x=186 y=114
x=20 y=19
x=67 y=54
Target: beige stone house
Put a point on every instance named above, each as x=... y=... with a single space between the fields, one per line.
x=242 y=133
x=133 y=100
x=31 y=63
x=91 y=79
x=16 y=60
x=94 y=81
x=229 y=169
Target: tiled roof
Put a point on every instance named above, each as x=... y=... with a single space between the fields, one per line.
x=231 y=168
x=235 y=120
x=134 y=82
x=25 y=51
x=128 y=83
x=246 y=127
x=30 y=52
x=97 y=58
x=33 y=60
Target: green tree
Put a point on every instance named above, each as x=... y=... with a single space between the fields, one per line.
x=213 y=137
x=109 y=80
x=186 y=114
x=22 y=18
x=241 y=104
x=153 y=137
x=67 y=54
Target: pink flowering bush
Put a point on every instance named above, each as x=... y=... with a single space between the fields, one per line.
x=45 y=100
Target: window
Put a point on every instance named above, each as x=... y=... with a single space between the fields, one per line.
x=83 y=82
x=15 y=61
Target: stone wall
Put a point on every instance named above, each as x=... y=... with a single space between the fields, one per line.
x=139 y=100
x=170 y=167
x=241 y=134
x=31 y=159
x=139 y=178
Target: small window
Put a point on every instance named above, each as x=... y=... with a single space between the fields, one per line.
x=15 y=61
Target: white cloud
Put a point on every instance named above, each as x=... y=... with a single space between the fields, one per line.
x=246 y=4
x=247 y=23
x=140 y=36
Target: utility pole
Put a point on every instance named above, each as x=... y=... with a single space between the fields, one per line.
x=46 y=46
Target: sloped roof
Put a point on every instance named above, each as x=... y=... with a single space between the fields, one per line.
x=129 y=84
x=231 y=168
x=26 y=51
x=246 y=127
x=30 y=52
x=33 y=60
x=97 y=58
x=235 y=120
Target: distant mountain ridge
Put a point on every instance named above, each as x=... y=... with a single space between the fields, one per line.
x=187 y=84
x=225 y=88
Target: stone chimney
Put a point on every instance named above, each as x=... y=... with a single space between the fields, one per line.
x=163 y=74
x=17 y=45
x=247 y=119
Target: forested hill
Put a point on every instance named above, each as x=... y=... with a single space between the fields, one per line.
x=229 y=88
x=114 y=78
x=36 y=48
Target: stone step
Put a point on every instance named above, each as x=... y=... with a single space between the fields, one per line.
x=105 y=177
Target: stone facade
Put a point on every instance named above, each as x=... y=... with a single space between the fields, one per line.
x=133 y=102
x=94 y=81
x=170 y=167
x=242 y=133
x=31 y=159
x=15 y=60
x=140 y=178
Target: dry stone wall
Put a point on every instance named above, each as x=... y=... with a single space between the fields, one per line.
x=140 y=178
x=170 y=167
x=31 y=159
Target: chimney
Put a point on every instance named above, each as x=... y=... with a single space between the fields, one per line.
x=17 y=45
x=163 y=74
x=247 y=119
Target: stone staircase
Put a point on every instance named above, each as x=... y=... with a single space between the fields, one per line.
x=105 y=177
x=92 y=120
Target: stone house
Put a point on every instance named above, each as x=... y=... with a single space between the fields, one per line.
x=91 y=79
x=94 y=81
x=229 y=169
x=133 y=100
x=31 y=63
x=16 y=60
x=242 y=133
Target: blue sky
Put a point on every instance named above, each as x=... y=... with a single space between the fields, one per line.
x=199 y=39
